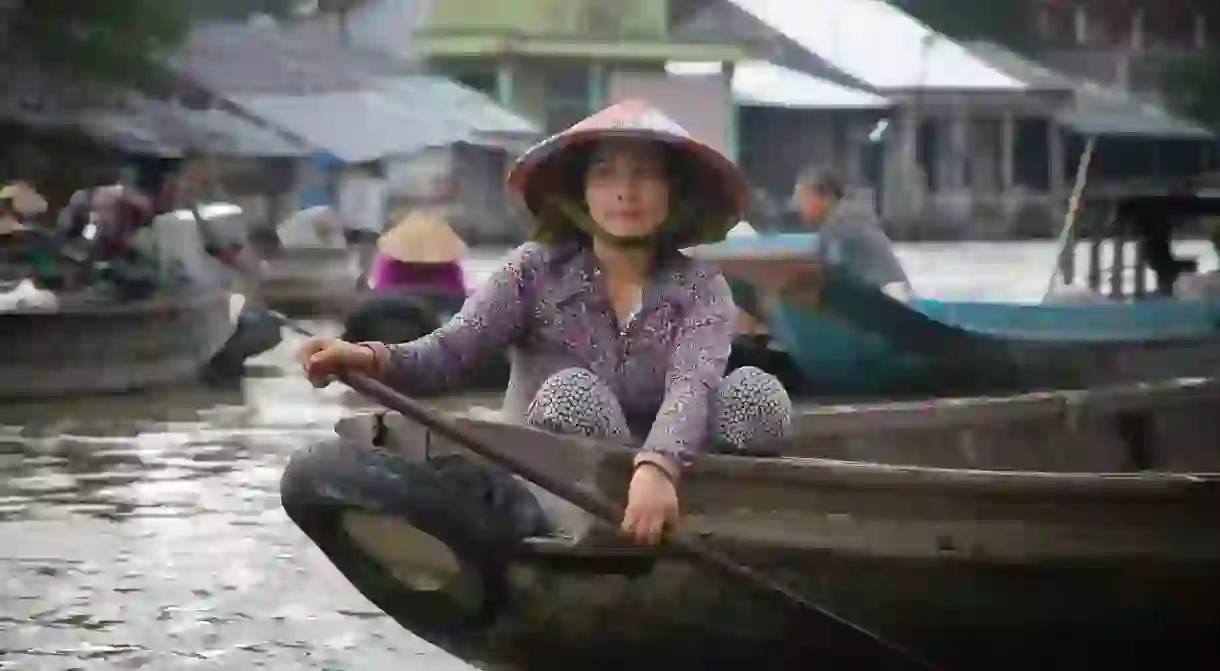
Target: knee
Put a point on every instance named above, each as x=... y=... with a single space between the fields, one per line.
x=574 y=401
x=751 y=406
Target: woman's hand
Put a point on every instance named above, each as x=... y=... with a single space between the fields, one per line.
x=325 y=358
x=652 y=505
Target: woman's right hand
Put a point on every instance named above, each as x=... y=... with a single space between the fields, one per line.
x=323 y=359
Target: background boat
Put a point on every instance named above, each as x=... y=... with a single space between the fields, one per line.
x=100 y=346
x=851 y=338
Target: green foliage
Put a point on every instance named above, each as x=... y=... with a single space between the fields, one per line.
x=115 y=41
x=1192 y=86
x=238 y=9
x=1009 y=22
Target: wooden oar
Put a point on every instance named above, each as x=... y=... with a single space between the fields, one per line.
x=675 y=541
x=1066 y=236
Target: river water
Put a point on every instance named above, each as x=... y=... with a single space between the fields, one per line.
x=145 y=532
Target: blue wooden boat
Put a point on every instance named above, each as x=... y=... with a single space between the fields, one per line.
x=848 y=337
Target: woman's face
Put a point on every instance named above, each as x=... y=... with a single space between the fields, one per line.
x=627 y=188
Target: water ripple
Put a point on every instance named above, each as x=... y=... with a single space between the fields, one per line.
x=146 y=533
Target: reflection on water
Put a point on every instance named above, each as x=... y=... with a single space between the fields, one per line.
x=145 y=532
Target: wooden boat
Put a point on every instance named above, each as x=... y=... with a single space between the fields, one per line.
x=321 y=281
x=88 y=346
x=1059 y=530
x=851 y=338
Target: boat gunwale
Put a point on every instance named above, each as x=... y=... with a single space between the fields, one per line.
x=1066 y=404
x=608 y=462
x=198 y=297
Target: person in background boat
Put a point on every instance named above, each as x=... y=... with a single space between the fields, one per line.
x=103 y=223
x=317 y=226
x=23 y=262
x=850 y=232
x=415 y=280
x=420 y=252
x=612 y=332
x=1206 y=284
x=29 y=252
x=1155 y=240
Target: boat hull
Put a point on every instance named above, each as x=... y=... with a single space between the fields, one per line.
x=840 y=359
x=559 y=606
x=979 y=565
x=851 y=339
x=311 y=282
x=89 y=348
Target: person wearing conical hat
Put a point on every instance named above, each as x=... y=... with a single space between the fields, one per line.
x=26 y=251
x=611 y=331
x=421 y=251
x=18 y=202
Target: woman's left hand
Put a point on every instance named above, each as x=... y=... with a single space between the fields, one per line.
x=652 y=505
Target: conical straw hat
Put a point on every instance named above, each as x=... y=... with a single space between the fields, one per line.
x=26 y=201
x=704 y=179
x=422 y=237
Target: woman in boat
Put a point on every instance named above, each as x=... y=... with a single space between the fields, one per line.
x=26 y=250
x=420 y=253
x=612 y=332
x=416 y=281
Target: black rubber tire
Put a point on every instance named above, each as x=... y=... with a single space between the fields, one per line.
x=391 y=318
x=255 y=334
x=479 y=514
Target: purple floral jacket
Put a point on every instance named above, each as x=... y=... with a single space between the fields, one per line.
x=548 y=308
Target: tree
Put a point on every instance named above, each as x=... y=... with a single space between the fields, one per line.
x=115 y=41
x=1009 y=22
x=1191 y=84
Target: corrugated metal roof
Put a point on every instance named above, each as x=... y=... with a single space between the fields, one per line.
x=879 y=44
x=1095 y=109
x=263 y=56
x=474 y=108
x=392 y=117
x=769 y=85
x=154 y=127
x=1109 y=112
x=721 y=19
x=137 y=124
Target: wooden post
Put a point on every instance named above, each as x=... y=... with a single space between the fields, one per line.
x=1055 y=163
x=1008 y=151
x=504 y=85
x=1118 y=263
x=1094 y=271
x=731 y=143
x=1141 y=272
x=597 y=86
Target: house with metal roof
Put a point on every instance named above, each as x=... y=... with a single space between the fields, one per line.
x=381 y=134
x=63 y=134
x=1137 y=137
x=557 y=62
x=971 y=146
